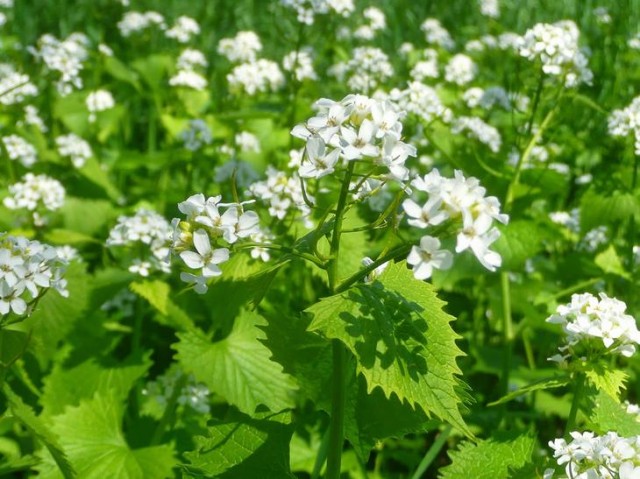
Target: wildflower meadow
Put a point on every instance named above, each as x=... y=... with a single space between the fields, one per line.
x=271 y=239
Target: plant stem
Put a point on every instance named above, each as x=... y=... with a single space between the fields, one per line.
x=336 y=427
x=432 y=453
x=575 y=405
x=338 y=387
x=507 y=327
x=321 y=457
x=398 y=252
x=332 y=269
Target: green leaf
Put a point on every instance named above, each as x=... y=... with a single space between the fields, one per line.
x=607 y=414
x=26 y=416
x=67 y=387
x=54 y=316
x=153 y=69
x=94 y=173
x=245 y=448
x=12 y=346
x=599 y=209
x=365 y=425
x=238 y=367
x=607 y=379
x=92 y=436
x=85 y=216
x=542 y=384
x=156 y=292
x=609 y=262
x=120 y=71
x=492 y=458
x=519 y=241
x=59 y=236
x=402 y=341
x=243 y=282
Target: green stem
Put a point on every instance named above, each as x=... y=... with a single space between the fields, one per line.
x=576 y=287
x=338 y=387
x=575 y=405
x=398 y=252
x=336 y=427
x=322 y=456
x=507 y=327
x=632 y=222
x=332 y=269
x=285 y=249
x=432 y=453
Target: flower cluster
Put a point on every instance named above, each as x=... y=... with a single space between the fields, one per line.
x=375 y=22
x=625 y=121
x=196 y=135
x=300 y=63
x=75 y=148
x=193 y=394
x=14 y=86
x=306 y=10
x=282 y=193
x=593 y=326
x=354 y=129
x=183 y=29
x=27 y=269
x=242 y=48
x=201 y=240
x=426 y=67
x=97 y=101
x=462 y=200
x=188 y=63
x=258 y=76
x=422 y=101
x=556 y=47
x=65 y=57
x=20 y=149
x=368 y=68
x=36 y=193
x=489 y=8
x=135 y=22
x=460 y=70
x=475 y=128
x=436 y=34
x=590 y=456
x=32 y=117
x=149 y=228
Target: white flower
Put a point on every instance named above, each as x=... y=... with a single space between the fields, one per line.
x=204 y=257
x=430 y=214
x=427 y=257
x=587 y=317
x=183 y=29
x=134 y=22
x=255 y=76
x=74 y=148
x=318 y=162
x=150 y=229
x=460 y=70
x=356 y=144
x=189 y=79
x=190 y=58
x=301 y=64
x=20 y=149
x=476 y=128
x=97 y=101
x=27 y=269
x=241 y=48
x=556 y=47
